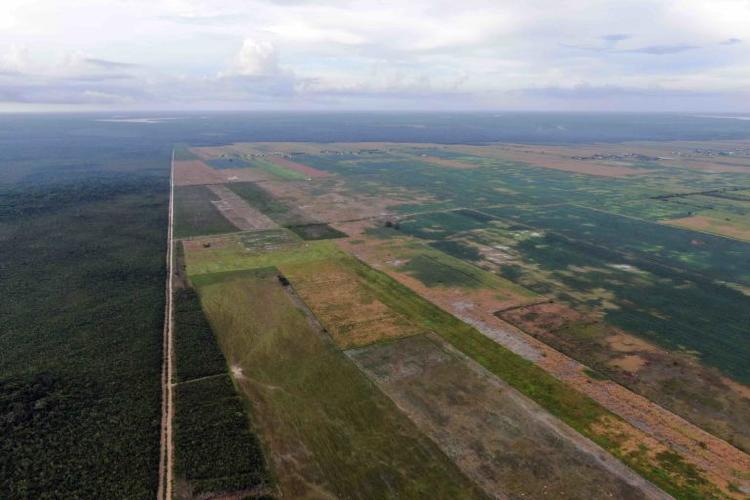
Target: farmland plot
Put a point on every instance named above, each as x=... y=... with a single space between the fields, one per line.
x=196 y=213
x=496 y=436
x=329 y=431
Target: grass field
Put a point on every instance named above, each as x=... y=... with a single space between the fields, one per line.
x=329 y=430
x=281 y=172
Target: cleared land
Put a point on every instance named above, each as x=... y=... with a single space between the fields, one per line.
x=333 y=292
x=195 y=172
x=239 y=213
x=499 y=438
x=297 y=167
x=724 y=227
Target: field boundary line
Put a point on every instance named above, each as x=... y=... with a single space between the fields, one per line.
x=166 y=459
x=200 y=379
x=661 y=222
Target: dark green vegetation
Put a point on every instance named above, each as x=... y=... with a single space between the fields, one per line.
x=228 y=163
x=435 y=272
x=195 y=349
x=439 y=225
x=195 y=214
x=704 y=254
x=316 y=232
x=263 y=201
x=667 y=302
x=82 y=284
x=215 y=451
x=680 y=301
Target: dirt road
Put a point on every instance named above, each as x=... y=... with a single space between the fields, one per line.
x=167 y=455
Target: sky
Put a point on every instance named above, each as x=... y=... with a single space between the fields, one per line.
x=328 y=55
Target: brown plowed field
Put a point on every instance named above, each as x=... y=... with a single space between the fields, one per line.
x=195 y=172
x=703 y=223
x=553 y=161
x=445 y=162
x=297 y=167
x=352 y=315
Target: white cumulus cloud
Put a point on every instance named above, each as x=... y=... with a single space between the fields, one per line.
x=256 y=58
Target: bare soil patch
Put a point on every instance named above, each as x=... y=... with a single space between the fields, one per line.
x=676 y=386
x=297 y=167
x=445 y=162
x=630 y=363
x=331 y=201
x=551 y=160
x=195 y=172
x=506 y=443
x=244 y=175
x=239 y=213
x=708 y=224
x=622 y=342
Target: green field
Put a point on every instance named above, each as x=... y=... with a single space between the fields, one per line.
x=326 y=426
x=279 y=171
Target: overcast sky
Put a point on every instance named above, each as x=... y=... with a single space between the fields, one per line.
x=622 y=55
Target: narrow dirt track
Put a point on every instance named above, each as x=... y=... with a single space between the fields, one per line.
x=167 y=408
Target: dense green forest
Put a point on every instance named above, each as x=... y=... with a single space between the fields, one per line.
x=80 y=348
